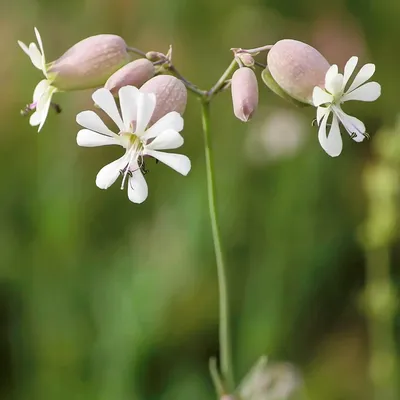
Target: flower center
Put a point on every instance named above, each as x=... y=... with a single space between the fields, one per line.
x=134 y=148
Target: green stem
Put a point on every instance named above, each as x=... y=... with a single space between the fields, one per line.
x=257 y=50
x=135 y=51
x=221 y=81
x=224 y=331
x=189 y=85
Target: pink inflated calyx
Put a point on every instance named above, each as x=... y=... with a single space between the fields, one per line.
x=135 y=73
x=297 y=68
x=89 y=63
x=171 y=95
x=244 y=89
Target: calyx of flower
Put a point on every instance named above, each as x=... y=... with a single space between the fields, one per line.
x=171 y=95
x=244 y=93
x=89 y=63
x=297 y=68
x=274 y=87
x=135 y=73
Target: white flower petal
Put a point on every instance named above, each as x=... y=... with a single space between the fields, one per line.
x=137 y=187
x=167 y=140
x=331 y=143
x=109 y=174
x=321 y=97
x=146 y=104
x=88 y=138
x=128 y=101
x=39 y=40
x=363 y=75
x=40 y=89
x=368 y=92
x=354 y=127
x=105 y=100
x=349 y=69
x=91 y=121
x=172 y=120
x=335 y=85
x=36 y=56
x=330 y=75
x=178 y=162
x=24 y=47
x=43 y=105
x=35 y=119
x=321 y=112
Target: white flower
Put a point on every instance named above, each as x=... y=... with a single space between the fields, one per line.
x=134 y=136
x=44 y=90
x=329 y=101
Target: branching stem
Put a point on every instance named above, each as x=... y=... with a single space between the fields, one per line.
x=223 y=380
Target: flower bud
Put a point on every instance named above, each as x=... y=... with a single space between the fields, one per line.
x=246 y=59
x=297 y=68
x=89 y=63
x=244 y=93
x=136 y=73
x=171 y=95
x=154 y=56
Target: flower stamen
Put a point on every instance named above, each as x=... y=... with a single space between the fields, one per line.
x=127 y=168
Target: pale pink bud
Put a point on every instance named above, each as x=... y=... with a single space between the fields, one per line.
x=89 y=63
x=244 y=93
x=136 y=73
x=246 y=59
x=155 y=56
x=171 y=95
x=297 y=68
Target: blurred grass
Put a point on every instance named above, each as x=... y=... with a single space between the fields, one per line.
x=102 y=299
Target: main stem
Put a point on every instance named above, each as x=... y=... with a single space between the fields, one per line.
x=224 y=320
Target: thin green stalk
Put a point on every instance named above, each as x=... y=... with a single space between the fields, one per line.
x=224 y=328
x=221 y=81
x=188 y=84
x=136 y=51
x=257 y=50
x=216 y=378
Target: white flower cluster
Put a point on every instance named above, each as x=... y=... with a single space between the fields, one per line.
x=145 y=129
x=140 y=139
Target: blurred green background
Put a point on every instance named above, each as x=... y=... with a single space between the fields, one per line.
x=103 y=299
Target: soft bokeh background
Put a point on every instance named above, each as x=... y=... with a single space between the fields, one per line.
x=104 y=299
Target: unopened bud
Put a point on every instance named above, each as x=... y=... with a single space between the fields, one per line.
x=136 y=73
x=155 y=56
x=171 y=95
x=297 y=68
x=244 y=93
x=246 y=59
x=89 y=63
